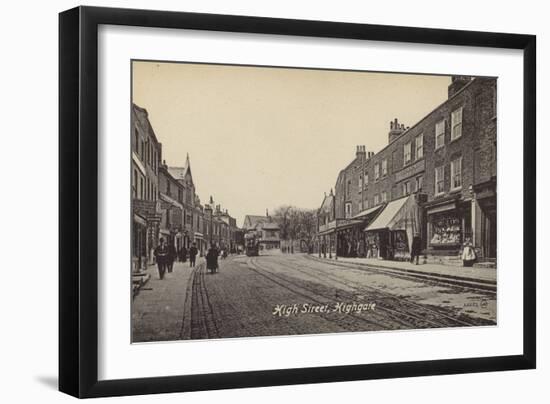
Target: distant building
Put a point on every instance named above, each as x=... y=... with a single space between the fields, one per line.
x=146 y=215
x=264 y=227
x=191 y=205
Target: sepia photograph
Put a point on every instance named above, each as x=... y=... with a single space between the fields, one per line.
x=279 y=201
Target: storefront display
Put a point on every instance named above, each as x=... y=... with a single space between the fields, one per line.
x=446 y=229
x=400 y=245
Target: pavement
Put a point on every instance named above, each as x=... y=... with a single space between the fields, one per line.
x=484 y=278
x=158 y=309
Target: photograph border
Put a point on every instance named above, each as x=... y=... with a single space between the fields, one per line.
x=78 y=193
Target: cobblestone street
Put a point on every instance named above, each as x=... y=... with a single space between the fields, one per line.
x=289 y=294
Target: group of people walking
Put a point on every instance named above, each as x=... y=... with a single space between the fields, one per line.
x=166 y=254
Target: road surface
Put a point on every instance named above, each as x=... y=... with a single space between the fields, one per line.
x=289 y=294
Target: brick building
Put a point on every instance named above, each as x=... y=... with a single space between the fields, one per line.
x=436 y=178
x=146 y=154
x=171 y=197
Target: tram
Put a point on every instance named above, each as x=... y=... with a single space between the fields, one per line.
x=252 y=244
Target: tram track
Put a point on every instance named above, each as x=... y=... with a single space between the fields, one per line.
x=203 y=324
x=396 y=300
x=400 y=309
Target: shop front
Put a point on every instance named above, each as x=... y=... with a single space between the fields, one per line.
x=139 y=243
x=351 y=240
x=485 y=237
x=449 y=226
x=326 y=238
x=391 y=233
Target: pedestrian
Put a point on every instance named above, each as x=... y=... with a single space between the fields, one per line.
x=212 y=258
x=415 y=248
x=171 y=257
x=192 y=255
x=161 y=255
x=468 y=254
x=183 y=254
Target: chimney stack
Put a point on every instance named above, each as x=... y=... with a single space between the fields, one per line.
x=396 y=130
x=457 y=83
x=360 y=152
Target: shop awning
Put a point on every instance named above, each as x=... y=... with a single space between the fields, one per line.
x=401 y=214
x=367 y=212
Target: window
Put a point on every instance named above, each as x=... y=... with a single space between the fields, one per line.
x=376 y=199
x=142 y=188
x=142 y=153
x=456 y=173
x=366 y=204
x=376 y=171
x=366 y=179
x=456 y=124
x=180 y=194
x=384 y=197
x=348 y=210
x=439 y=179
x=440 y=134
x=360 y=183
x=407 y=153
x=419 y=183
x=136 y=140
x=406 y=188
x=168 y=188
x=384 y=167
x=134 y=185
x=419 y=143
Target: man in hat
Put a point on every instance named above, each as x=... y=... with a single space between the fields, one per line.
x=415 y=248
x=161 y=254
x=193 y=254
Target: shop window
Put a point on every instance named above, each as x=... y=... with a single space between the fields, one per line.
x=439 y=180
x=407 y=153
x=456 y=173
x=384 y=167
x=419 y=143
x=456 y=124
x=445 y=229
x=440 y=134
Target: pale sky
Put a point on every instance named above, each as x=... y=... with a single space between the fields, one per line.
x=263 y=137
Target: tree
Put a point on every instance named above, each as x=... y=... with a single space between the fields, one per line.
x=296 y=223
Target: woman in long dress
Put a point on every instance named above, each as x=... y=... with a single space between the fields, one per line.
x=212 y=259
x=468 y=254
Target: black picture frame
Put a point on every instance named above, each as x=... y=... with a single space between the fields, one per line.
x=78 y=196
